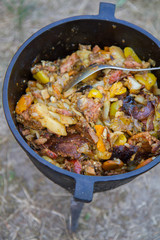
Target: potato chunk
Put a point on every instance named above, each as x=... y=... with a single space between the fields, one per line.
x=40 y=112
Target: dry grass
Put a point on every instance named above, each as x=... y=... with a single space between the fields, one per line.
x=31 y=206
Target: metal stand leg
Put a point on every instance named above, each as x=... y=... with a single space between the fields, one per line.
x=75 y=211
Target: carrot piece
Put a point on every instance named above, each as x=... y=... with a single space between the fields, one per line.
x=144 y=162
x=99 y=130
x=23 y=104
x=112 y=164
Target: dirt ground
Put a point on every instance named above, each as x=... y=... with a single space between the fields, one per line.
x=31 y=206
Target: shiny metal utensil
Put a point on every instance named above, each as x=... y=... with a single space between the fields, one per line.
x=96 y=67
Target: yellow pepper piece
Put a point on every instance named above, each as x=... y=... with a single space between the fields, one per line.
x=100 y=145
x=121 y=140
x=114 y=108
x=41 y=77
x=94 y=93
x=130 y=52
x=151 y=80
x=99 y=130
x=117 y=89
x=148 y=80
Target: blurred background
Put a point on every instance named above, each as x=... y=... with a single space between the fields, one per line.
x=31 y=206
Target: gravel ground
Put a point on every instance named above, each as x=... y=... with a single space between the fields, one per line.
x=31 y=206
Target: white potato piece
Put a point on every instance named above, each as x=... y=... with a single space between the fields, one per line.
x=116 y=52
x=133 y=85
x=67 y=120
x=40 y=112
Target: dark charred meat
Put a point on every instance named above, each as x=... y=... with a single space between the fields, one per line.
x=67 y=146
x=123 y=152
x=144 y=112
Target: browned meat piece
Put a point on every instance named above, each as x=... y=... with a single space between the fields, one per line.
x=91 y=167
x=115 y=76
x=130 y=107
x=149 y=123
x=96 y=49
x=25 y=119
x=89 y=108
x=73 y=166
x=144 y=112
x=49 y=153
x=37 y=94
x=86 y=130
x=69 y=63
x=66 y=146
x=63 y=112
x=145 y=142
x=25 y=132
x=40 y=141
x=123 y=152
x=97 y=58
x=131 y=63
x=39 y=67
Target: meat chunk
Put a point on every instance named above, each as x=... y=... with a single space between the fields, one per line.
x=86 y=130
x=96 y=49
x=145 y=142
x=39 y=67
x=131 y=63
x=89 y=108
x=63 y=112
x=48 y=153
x=66 y=146
x=123 y=152
x=69 y=63
x=144 y=112
x=73 y=166
x=25 y=119
x=130 y=107
x=97 y=58
x=115 y=76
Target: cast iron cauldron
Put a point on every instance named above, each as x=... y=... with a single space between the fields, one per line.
x=56 y=41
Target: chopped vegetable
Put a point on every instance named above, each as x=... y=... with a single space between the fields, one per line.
x=114 y=108
x=40 y=113
x=144 y=162
x=148 y=80
x=117 y=89
x=116 y=52
x=112 y=164
x=121 y=140
x=99 y=130
x=94 y=93
x=23 y=104
x=130 y=52
x=100 y=145
x=41 y=77
x=133 y=85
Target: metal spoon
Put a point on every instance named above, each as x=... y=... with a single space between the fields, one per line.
x=96 y=67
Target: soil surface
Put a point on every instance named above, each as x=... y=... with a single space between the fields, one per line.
x=31 y=206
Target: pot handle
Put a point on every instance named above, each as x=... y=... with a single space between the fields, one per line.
x=107 y=11
x=83 y=189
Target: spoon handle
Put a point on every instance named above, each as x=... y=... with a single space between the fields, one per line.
x=95 y=68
